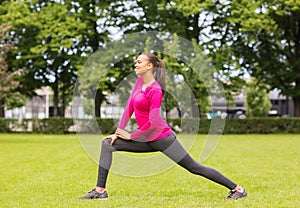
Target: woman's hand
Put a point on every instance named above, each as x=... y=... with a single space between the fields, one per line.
x=113 y=138
x=122 y=134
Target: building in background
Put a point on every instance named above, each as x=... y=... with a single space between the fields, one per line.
x=36 y=107
x=281 y=105
x=41 y=107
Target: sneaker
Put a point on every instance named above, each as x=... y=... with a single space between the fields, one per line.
x=234 y=195
x=93 y=194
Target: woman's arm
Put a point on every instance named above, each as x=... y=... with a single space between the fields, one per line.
x=128 y=111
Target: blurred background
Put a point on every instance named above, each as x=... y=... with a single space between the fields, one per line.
x=254 y=46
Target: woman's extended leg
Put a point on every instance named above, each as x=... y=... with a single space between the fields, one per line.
x=172 y=148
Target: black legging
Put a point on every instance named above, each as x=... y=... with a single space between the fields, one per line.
x=170 y=146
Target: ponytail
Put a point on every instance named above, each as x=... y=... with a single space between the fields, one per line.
x=158 y=70
x=160 y=75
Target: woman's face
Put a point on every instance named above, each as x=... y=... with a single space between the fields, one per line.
x=142 y=65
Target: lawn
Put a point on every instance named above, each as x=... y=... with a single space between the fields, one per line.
x=54 y=170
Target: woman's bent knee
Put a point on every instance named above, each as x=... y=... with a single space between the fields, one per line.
x=106 y=143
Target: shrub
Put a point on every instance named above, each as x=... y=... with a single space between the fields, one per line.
x=5 y=125
x=52 y=125
x=108 y=126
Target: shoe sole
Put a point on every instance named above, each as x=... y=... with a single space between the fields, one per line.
x=237 y=198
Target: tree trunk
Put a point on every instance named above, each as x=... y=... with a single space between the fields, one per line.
x=63 y=101
x=195 y=108
x=166 y=106
x=55 y=96
x=95 y=37
x=296 y=106
x=2 y=111
x=98 y=101
x=196 y=28
x=179 y=112
x=296 y=98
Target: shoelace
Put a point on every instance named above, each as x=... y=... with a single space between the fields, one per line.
x=232 y=193
x=94 y=190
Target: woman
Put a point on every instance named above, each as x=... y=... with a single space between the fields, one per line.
x=153 y=134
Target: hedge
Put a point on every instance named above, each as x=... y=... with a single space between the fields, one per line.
x=5 y=125
x=107 y=126
x=56 y=126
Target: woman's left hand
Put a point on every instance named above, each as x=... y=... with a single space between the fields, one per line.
x=123 y=134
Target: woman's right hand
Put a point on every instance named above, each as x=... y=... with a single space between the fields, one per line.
x=113 y=138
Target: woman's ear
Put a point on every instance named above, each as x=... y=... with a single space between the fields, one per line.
x=150 y=65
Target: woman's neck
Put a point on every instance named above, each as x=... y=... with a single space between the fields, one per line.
x=148 y=79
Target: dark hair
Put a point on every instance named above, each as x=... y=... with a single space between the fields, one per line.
x=158 y=70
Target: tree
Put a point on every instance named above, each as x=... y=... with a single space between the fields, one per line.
x=272 y=51
x=9 y=97
x=23 y=33
x=46 y=34
x=184 y=79
x=58 y=58
x=98 y=19
x=257 y=99
x=166 y=17
x=259 y=37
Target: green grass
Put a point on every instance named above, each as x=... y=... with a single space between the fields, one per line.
x=54 y=170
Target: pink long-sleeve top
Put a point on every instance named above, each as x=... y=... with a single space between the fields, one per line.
x=146 y=106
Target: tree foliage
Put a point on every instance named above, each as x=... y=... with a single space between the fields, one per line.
x=259 y=37
x=9 y=96
x=257 y=99
x=270 y=48
x=46 y=34
x=55 y=38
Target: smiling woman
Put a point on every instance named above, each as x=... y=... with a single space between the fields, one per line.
x=154 y=134
x=149 y=63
